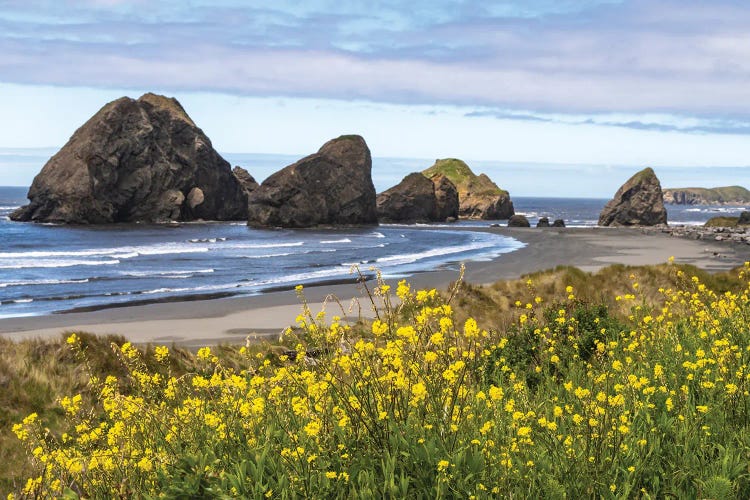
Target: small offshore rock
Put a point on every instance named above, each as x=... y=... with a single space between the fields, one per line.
x=518 y=221
x=558 y=223
x=543 y=222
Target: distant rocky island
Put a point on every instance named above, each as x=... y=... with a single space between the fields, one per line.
x=729 y=195
x=140 y=160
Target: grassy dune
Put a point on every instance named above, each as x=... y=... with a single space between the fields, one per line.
x=631 y=382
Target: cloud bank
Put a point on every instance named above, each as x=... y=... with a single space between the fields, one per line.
x=680 y=65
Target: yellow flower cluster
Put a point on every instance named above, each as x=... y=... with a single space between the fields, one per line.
x=417 y=402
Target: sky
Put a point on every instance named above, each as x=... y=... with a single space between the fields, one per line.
x=595 y=85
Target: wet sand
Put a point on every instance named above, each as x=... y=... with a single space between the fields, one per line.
x=235 y=319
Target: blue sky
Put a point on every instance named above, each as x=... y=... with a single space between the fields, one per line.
x=587 y=82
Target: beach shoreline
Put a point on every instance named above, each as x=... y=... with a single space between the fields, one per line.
x=263 y=316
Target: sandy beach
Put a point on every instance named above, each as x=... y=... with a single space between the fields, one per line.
x=194 y=323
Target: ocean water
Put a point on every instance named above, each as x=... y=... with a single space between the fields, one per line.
x=46 y=268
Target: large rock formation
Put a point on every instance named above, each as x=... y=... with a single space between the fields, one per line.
x=419 y=199
x=638 y=202
x=729 y=195
x=136 y=160
x=479 y=197
x=411 y=200
x=446 y=198
x=247 y=181
x=333 y=186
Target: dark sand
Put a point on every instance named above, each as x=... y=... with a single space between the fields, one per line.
x=236 y=319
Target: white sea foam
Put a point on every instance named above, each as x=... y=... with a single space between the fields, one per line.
x=342 y=240
x=268 y=255
x=409 y=258
x=206 y=288
x=377 y=234
x=146 y=274
x=8 y=208
x=266 y=245
x=300 y=277
x=14 y=264
x=41 y=282
x=116 y=252
x=22 y=301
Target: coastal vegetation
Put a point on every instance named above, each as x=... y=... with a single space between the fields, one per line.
x=465 y=180
x=722 y=221
x=707 y=196
x=479 y=197
x=631 y=382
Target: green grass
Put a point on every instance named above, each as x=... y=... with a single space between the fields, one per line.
x=727 y=194
x=629 y=382
x=465 y=180
x=722 y=222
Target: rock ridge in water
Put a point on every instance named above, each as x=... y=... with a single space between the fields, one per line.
x=728 y=195
x=479 y=197
x=638 y=202
x=140 y=160
x=331 y=187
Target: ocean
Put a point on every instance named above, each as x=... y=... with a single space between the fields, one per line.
x=46 y=268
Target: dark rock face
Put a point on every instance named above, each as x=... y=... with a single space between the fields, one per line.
x=543 y=222
x=135 y=160
x=558 y=223
x=518 y=221
x=744 y=219
x=419 y=199
x=638 y=202
x=446 y=199
x=246 y=180
x=332 y=186
x=411 y=200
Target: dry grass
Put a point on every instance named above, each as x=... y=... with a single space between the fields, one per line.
x=34 y=374
x=494 y=307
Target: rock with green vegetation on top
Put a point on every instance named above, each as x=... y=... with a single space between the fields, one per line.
x=331 y=187
x=478 y=196
x=638 y=202
x=729 y=195
x=136 y=160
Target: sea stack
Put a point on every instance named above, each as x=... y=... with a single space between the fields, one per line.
x=638 y=202
x=478 y=196
x=419 y=199
x=138 y=160
x=331 y=187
